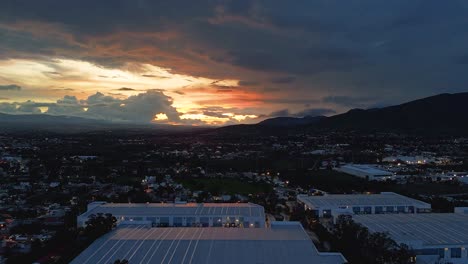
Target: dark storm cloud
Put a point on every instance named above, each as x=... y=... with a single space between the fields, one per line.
x=297 y=58
x=10 y=87
x=104 y=15
x=302 y=101
x=214 y=114
x=463 y=60
x=247 y=83
x=283 y=112
x=303 y=113
x=402 y=49
x=350 y=101
x=126 y=89
x=315 y=112
x=282 y=80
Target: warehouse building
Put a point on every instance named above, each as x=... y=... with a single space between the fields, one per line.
x=435 y=238
x=333 y=205
x=461 y=210
x=369 y=172
x=246 y=215
x=283 y=242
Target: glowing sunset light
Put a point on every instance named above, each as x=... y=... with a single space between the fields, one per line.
x=160 y=117
x=224 y=62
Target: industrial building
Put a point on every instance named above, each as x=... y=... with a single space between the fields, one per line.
x=283 y=242
x=142 y=242
x=435 y=238
x=461 y=210
x=332 y=205
x=369 y=172
x=246 y=215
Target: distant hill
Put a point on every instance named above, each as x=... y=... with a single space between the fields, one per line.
x=291 y=121
x=440 y=113
x=444 y=113
x=68 y=124
x=46 y=122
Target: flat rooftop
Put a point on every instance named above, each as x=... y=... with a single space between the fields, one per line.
x=369 y=169
x=431 y=229
x=174 y=209
x=382 y=199
x=140 y=244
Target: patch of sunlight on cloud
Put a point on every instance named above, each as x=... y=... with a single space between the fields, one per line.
x=43 y=80
x=160 y=117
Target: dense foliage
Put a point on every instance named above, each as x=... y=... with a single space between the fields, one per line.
x=361 y=246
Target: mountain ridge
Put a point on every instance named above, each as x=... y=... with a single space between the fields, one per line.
x=434 y=114
x=439 y=113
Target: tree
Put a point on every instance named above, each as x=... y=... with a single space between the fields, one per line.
x=100 y=224
x=363 y=247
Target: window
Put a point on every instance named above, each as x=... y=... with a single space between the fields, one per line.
x=455 y=252
x=389 y=209
x=368 y=210
x=356 y=209
x=178 y=221
x=427 y=251
x=164 y=221
x=378 y=209
x=217 y=222
x=204 y=221
x=400 y=209
x=431 y=251
x=191 y=221
x=441 y=252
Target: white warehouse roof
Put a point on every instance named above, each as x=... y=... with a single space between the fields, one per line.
x=174 y=209
x=365 y=169
x=283 y=243
x=430 y=229
x=382 y=199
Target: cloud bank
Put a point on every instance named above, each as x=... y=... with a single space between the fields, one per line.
x=140 y=108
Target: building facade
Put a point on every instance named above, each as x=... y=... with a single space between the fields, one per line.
x=333 y=205
x=245 y=215
x=365 y=171
x=440 y=238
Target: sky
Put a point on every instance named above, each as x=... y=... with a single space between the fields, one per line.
x=225 y=62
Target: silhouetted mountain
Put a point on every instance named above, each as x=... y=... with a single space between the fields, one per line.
x=444 y=113
x=440 y=113
x=273 y=126
x=291 y=121
x=46 y=122
x=43 y=122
